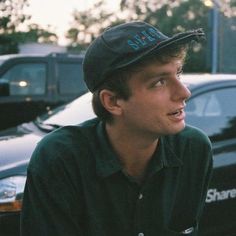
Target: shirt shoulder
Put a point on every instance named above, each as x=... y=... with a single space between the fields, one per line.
x=69 y=136
x=190 y=145
x=63 y=146
x=194 y=135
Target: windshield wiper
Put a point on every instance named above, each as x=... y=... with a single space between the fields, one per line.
x=46 y=127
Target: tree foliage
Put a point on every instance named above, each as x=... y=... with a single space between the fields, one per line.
x=87 y=26
x=7 y=45
x=35 y=33
x=12 y=16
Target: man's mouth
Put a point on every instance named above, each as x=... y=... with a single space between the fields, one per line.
x=177 y=115
x=176 y=112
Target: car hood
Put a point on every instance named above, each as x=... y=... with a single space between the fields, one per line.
x=16 y=142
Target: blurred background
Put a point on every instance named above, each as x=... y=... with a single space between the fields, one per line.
x=38 y=26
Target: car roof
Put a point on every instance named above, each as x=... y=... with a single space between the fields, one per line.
x=196 y=80
x=200 y=77
x=6 y=57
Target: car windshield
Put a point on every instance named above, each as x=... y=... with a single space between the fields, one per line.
x=73 y=113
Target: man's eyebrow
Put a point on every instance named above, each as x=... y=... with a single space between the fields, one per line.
x=153 y=74
x=150 y=75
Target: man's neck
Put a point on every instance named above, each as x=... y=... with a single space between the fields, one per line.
x=134 y=151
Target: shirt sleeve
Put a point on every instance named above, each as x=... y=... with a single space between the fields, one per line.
x=53 y=202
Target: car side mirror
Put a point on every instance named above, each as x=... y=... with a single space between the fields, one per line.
x=4 y=88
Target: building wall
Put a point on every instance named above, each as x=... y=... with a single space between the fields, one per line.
x=38 y=48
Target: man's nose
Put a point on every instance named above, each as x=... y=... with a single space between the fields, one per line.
x=180 y=91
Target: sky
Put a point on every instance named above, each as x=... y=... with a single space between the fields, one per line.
x=57 y=13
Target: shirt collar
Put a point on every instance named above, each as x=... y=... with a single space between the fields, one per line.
x=168 y=152
x=163 y=157
x=107 y=163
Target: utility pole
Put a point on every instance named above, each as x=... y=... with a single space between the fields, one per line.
x=215 y=36
x=215 y=6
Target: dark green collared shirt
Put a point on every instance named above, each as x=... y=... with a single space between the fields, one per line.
x=76 y=186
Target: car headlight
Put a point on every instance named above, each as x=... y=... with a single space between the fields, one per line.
x=11 y=193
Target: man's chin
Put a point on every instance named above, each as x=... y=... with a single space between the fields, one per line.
x=178 y=129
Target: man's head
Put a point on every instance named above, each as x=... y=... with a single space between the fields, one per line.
x=123 y=50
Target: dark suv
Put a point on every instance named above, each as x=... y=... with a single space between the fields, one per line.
x=30 y=85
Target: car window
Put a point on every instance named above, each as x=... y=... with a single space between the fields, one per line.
x=214 y=112
x=70 y=77
x=26 y=79
x=203 y=106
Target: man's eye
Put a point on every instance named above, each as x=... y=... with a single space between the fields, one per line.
x=159 y=83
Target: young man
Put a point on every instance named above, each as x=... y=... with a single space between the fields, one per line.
x=137 y=169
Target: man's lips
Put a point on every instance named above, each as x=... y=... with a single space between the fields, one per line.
x=178 y=114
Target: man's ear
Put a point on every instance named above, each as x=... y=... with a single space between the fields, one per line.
x=110 y=101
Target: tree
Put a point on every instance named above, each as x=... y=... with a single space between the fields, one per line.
x=87 y=26
x=7 y=45
x=11 y=17
x=35 y=33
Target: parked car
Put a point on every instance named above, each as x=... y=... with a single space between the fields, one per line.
x=212 y=107
x=32 y=84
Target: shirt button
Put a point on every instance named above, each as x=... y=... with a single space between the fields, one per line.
x=140 y=197
x=141 y=234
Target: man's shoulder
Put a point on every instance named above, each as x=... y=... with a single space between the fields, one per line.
x=69 y=133
x=191 y=145
x=194 y=135
x=190 y=137
x=67 y=142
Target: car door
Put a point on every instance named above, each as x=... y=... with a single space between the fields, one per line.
x=214 y=111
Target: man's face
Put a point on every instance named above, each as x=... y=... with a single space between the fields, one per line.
x=156 y=106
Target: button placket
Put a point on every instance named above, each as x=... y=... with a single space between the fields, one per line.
x=140 y=196
x=140 y=212
x=141 y=234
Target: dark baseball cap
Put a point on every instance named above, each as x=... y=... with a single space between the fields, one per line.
x=124 y=45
